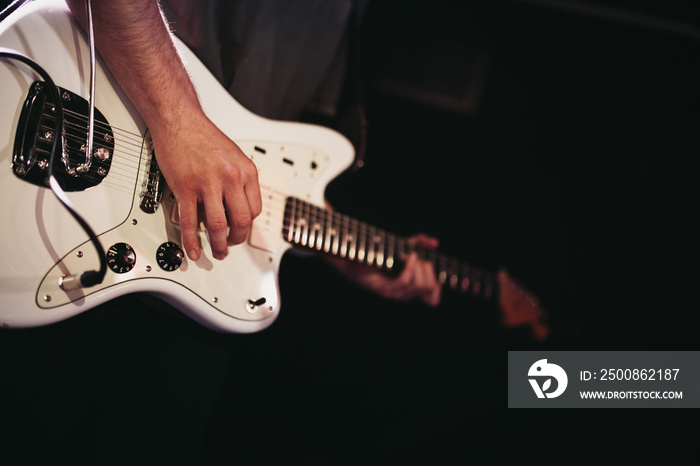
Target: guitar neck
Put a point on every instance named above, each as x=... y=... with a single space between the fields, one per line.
x=325 y=231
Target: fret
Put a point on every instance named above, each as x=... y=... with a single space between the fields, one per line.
x=452 y=277
x=323 y=225
x=329 y=231
x=370 y=245
x=361 y=251
x=454 y=280
x=294 y=226
x=441 y=270
x=475 y=281
x=442 y=277
x=306 y=224
x=390 y=245
x=352 y=240
x=303 y=225
x=348 y=248
x=468 y=282
x=294 y=230
x=312 y=227
x=380 y=248
x=319 y=236
x=290 y=218
x=336 y=236
x=320 y=225
x=317 y=230
x=286 y=227
x=343 y=251
x=454 y=274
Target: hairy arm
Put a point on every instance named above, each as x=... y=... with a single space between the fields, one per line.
x=200 y=163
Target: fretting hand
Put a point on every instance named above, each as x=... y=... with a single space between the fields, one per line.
x=417 y=279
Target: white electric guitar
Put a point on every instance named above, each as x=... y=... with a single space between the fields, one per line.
x=126 y=202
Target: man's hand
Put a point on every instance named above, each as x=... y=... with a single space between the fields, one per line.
x=203 y=166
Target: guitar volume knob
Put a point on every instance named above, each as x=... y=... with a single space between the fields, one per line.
x=169 y=256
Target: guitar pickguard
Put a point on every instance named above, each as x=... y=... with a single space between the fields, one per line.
x=250 y=266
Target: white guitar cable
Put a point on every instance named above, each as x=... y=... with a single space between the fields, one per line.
x=85 y=166
x=91 y=116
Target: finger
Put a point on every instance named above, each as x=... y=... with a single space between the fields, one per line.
x=252 y=193
x=187 y=206
x=418 y=280
x=239 y=214
x=217 y=225
x=425 y=283
x=425 y=241
x=433 y=290
x=404 y=285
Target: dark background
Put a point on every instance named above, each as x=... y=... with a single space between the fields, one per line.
x=570 y=164
x=558 y=144
x=556 y=141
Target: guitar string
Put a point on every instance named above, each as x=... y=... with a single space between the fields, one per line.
x=135 y=137
x=126 y=157
x=128 y=138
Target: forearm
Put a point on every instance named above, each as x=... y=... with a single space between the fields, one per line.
x=135 y=42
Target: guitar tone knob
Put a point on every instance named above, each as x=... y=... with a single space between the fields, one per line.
x=169 y=256
x=121 y=258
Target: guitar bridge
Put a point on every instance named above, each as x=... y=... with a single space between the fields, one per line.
x=35 y=137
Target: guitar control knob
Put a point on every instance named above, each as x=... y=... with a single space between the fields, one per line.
x=169 y=256
x=121 y=258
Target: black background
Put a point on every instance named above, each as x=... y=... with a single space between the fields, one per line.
x=573 y=171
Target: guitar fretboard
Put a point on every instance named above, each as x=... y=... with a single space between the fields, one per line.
x=329 y=232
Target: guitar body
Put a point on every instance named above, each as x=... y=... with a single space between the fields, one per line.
x=42 y=242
